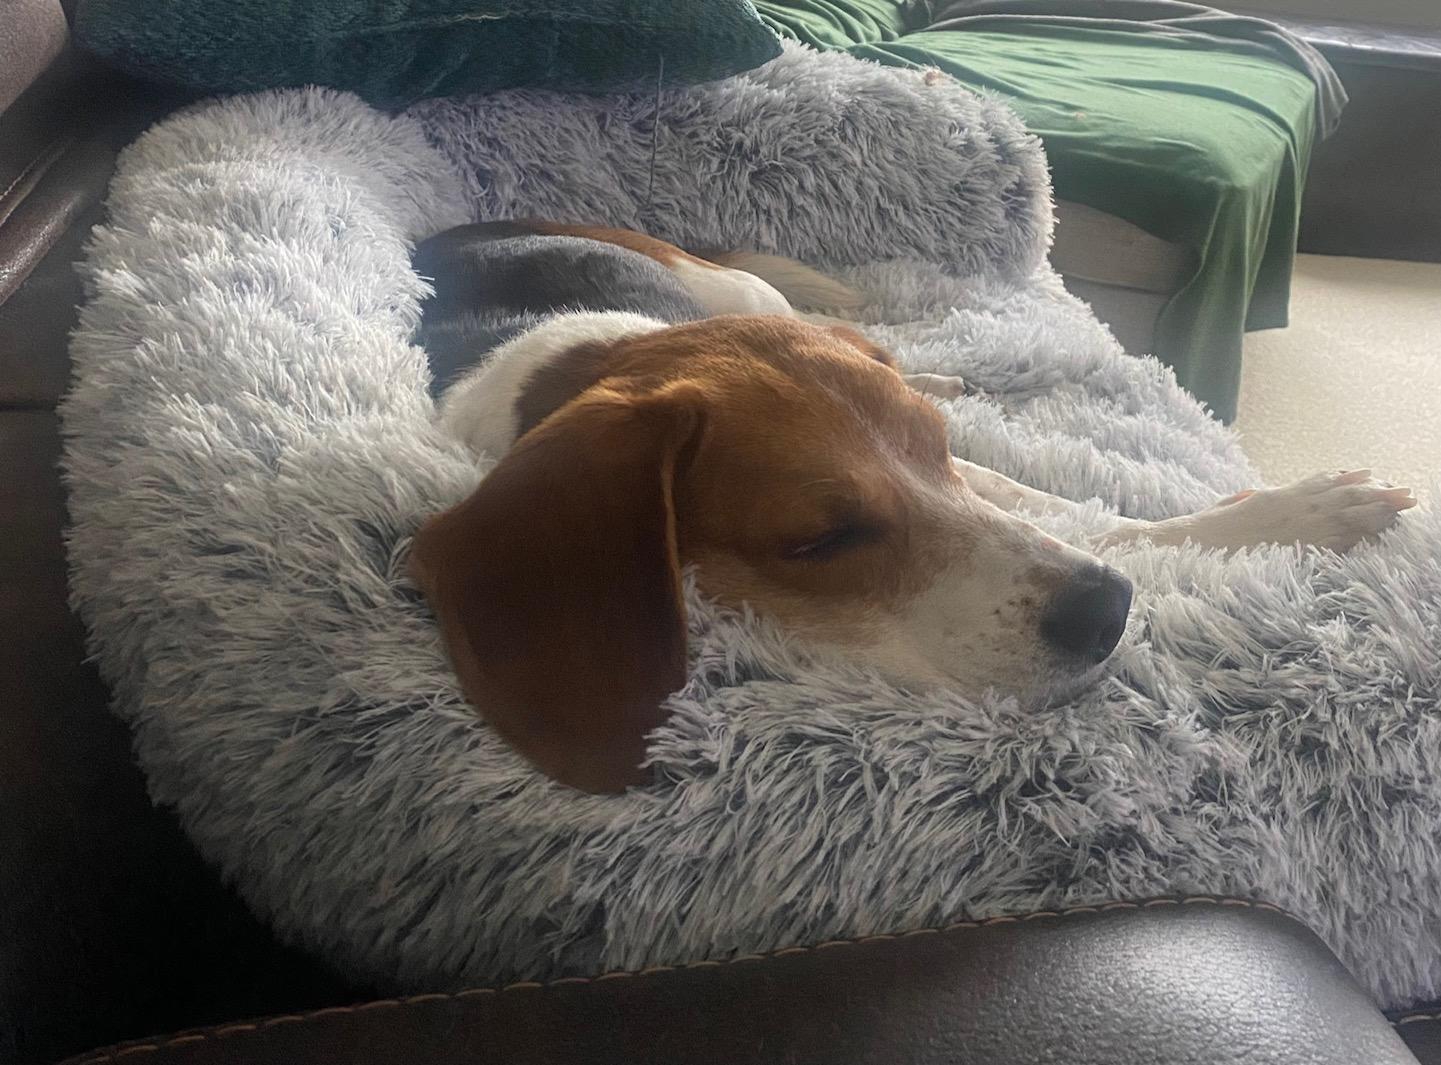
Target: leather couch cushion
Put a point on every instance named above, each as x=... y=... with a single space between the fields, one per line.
x=1421 y=1030
x=1175 y=984
x=109 y=924
x=35 y=322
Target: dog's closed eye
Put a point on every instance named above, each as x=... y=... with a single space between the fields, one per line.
x=840 y=537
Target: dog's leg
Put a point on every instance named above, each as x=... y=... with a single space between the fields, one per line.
x=1335 y=510
x=1008 y=494
x=1331 y=510
x=941 y=386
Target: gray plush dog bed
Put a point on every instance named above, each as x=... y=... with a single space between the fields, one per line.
x=249 y=450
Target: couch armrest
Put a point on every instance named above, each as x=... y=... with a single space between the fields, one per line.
x=1181 y=983
x=58 y=143
x=34 y=34
x=59 y=136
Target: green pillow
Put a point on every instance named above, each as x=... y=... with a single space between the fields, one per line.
x=392 y=52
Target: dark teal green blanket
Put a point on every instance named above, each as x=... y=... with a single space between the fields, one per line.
x=1200 y=145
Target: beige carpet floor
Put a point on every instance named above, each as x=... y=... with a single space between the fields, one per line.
x=1355 y=380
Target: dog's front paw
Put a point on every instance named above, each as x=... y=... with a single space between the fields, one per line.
x=1334 y=510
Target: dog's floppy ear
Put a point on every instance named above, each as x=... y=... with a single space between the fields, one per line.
x=858 y=340
x=557 y=583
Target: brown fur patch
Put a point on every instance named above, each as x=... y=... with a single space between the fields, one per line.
x=557 y=585
x=733 y=443
x=864 y=344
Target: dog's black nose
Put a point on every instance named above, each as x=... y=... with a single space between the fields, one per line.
x=1088 y=617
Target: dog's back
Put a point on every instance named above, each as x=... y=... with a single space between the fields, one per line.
x=496 y=280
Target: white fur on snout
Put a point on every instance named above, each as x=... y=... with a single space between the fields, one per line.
x=977 y=625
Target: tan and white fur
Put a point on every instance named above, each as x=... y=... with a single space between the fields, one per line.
x=794 y=468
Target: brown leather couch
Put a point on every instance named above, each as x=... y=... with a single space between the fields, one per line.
x=112 y=929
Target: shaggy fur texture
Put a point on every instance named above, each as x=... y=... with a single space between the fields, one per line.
x=249 y=449
x=865 y=161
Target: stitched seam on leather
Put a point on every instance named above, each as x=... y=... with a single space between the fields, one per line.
x=253 y=1027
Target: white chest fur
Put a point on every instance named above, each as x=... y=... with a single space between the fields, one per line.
x=480 y=408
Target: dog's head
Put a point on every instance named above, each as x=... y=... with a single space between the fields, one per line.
x=793 y=467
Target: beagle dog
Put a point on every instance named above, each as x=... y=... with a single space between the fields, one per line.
x=652 y=410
